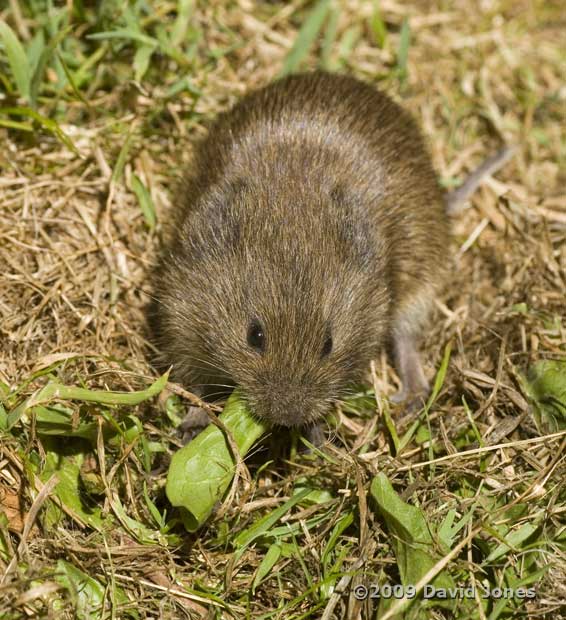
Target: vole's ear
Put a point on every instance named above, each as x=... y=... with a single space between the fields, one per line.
x=349 y=224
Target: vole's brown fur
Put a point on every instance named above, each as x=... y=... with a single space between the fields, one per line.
x=313 y=213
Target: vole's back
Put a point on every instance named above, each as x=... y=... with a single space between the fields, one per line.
x=320 y=130
x=312 y=217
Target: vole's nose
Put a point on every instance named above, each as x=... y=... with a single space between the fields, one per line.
x=286 y=410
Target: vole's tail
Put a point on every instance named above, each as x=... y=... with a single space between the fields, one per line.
x=455 y=199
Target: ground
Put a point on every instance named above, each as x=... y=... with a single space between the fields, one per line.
x=100 y=103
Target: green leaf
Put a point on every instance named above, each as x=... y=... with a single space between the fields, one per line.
x=17 y=60
x=122 y=156
x=88 y=594
x=56 y=391
x=181 y=25
x=201 y=471
x=42 y=63
x=144 y=534
x=438 y=382
x=3 y=418
x=409 y=535
x=45 y=122
x=261 y=527
x=329 y=39
x=545 y=387
x=306 y=37
x=378 y=26
x=448 y=530
x=144 y=199
x=58 y=420
x=342 y=524
x=390 y=425
x=68 y=489
x=513 y=540
x=34 y=49
x=154 y=511
x=269 y=560
x=124 y=33
x=348 y=42
x=16 y=125
x=141 y=61
x=403 y=51
x=71 y=80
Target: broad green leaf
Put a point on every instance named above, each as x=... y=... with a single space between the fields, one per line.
x=68 y=489
x=545 y=387
x=58 y=420
x=88 y=594
x=17 y=59
x=201 y=471
x=409 y=535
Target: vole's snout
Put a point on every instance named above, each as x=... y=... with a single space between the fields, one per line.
x=287 y=408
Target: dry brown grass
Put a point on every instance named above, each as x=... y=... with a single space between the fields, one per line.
x=75 y=253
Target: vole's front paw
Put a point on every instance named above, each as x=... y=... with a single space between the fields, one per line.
x=193 y=423
x=314 y=434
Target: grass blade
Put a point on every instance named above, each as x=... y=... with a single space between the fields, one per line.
x=17 y=60
x=377 y=26
x=307 y=35
x=259 y=528
x=438 y=382
x=146 y=203
x=42 y=63
x=48 y=124
x=403 y=51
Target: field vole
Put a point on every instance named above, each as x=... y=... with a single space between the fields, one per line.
x=311 y=233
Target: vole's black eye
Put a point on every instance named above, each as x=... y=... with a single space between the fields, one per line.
x=256 y=336
x=327 y=347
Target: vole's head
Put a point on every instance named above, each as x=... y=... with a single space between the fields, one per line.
x=281 y=293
